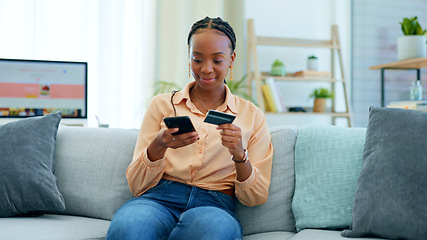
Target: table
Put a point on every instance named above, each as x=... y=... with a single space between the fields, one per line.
x=408 y=64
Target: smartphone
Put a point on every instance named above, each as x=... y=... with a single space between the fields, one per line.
x=182 y=122
x=219 y=118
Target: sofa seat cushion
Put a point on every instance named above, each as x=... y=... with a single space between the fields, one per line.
x=317 y=234
x=278 y=235
x=276 y=213
x=91 y=168
x=53 y=227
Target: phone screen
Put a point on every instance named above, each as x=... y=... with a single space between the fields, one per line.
x=183 y=123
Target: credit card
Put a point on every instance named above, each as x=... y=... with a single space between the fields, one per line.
x=219 y=118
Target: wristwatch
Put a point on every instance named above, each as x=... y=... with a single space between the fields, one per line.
x=245 y=157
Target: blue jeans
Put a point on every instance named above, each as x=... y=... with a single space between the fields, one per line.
x=173 y=210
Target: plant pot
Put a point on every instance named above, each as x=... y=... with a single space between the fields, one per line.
x=319 y=105
x=411 y=46
x=278 y=71
x=312 y=64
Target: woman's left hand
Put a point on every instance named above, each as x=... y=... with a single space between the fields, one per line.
x=231 y=137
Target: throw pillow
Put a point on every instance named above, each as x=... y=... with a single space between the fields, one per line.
x=391 y=195
x=328 y=161
x=27 y=184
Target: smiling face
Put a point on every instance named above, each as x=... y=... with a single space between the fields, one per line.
x=210 y=58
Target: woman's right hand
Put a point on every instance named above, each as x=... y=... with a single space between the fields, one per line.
x=176 y=141
x=164 y=140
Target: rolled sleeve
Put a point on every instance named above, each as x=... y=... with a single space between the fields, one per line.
x=254 y=190
x=143 y=174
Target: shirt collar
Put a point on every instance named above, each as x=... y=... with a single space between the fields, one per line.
x=230 y=100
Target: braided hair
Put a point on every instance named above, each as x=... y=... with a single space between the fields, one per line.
x=214 y=23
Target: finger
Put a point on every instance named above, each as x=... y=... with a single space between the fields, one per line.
x=169 y=131
x=230 y=133
x=181 y=142
x=225 y=126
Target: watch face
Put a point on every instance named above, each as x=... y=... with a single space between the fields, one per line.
x=245 y=157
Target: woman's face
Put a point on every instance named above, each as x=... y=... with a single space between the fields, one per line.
x=210 y=58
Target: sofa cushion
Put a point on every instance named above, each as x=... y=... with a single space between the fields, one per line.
x=327 y=165
x=321 y=234
x=53 y=227
x=91 y=168
x=276 y=235
x=391 y=194
x=27 y=183
x=276 y=213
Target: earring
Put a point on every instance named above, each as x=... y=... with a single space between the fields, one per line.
x=189 y=70
x=231 y=73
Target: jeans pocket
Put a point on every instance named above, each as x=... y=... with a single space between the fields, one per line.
x=224 y=200
x=159 y=185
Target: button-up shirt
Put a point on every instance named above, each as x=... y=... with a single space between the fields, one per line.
x=206 y=163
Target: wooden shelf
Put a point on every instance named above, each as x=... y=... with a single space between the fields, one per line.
x=295 y=42
x=257 y=77
x=413 y=63
x=302 y=79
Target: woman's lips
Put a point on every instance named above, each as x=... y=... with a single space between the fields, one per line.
x=207 y=79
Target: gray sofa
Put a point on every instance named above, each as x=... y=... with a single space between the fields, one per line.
x=90 y=165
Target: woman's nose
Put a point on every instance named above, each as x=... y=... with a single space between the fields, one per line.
x=207 y=67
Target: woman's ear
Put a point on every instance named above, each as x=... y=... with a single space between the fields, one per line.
x=233 y=56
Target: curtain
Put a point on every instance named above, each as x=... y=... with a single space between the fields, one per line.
x=116 y=38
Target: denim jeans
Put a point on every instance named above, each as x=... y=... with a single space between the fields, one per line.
x=173 y=210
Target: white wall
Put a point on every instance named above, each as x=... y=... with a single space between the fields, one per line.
x=300 y=19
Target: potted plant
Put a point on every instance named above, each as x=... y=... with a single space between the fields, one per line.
x=413 y=43
x=278 y=68
x=312 y=63
x=320 y=95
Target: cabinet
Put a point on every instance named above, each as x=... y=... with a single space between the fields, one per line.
x=256 y=76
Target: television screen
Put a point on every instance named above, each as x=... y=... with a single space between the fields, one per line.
x=35 y=88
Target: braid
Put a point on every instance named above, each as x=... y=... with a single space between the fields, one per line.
x=214 y=23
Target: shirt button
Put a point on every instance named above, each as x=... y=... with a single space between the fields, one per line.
x=200 y=150
x=203 y=130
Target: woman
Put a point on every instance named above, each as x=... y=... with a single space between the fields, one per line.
x=185 y=185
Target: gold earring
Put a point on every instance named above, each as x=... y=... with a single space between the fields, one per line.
x=231 y=73
x=189 y=70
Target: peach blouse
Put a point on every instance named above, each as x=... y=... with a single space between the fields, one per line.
x=206 y=163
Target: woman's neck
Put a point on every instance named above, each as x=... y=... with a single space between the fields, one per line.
x=207 y=100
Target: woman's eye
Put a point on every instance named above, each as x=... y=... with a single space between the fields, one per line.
x=218 y=61
x=197 y=60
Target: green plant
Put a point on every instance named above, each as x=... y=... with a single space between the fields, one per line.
x=165 y=87
x=411 y=26
x=277 y=63
x=312 y=57
x=322 y=93
x=239 y=88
